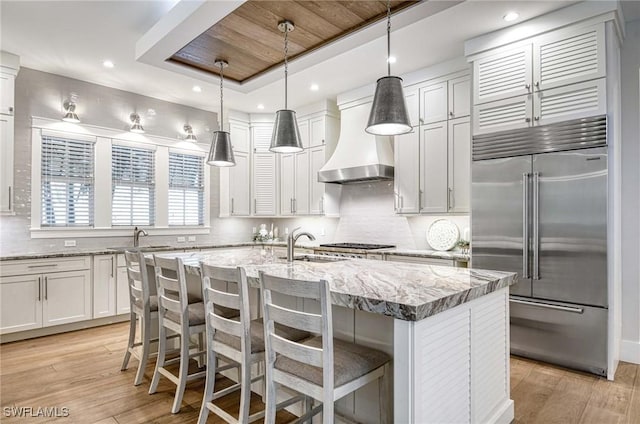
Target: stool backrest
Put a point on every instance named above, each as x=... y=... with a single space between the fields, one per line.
x=171 y=283
x=215 y=299
x=138 y=279
x=314 y=323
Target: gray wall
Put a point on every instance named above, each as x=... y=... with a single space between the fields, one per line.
x=630 y=73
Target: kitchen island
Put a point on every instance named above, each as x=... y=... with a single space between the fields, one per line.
x=446 y=328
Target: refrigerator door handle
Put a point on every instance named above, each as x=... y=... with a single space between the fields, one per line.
x=525 y=226
x=548 y=306
x=536 y=220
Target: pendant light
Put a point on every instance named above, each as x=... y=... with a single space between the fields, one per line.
x=221 y=151
x=286 y=136
x=389 y=115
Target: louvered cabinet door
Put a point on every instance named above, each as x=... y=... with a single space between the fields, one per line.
x=503 y=115
x=261 y=138
x=570 y=102
x=569 y=56
x=264 y=184
x=502 y=75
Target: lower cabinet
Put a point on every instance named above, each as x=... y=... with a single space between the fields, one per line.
x=123 y=306
x=110 y=286
x=30 y=299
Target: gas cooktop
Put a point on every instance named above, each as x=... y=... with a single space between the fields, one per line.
x=363 y=246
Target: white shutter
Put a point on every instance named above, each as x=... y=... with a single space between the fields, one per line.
x=67 y=182
x=502 y=75
x=264 y=184
x=186 y=189
x=133 y=186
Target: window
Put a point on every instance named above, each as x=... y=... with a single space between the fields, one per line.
x=186 y=189
x=132 y=186
x=67 y=182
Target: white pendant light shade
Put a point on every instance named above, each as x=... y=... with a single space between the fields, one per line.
x=221 y=152
x=286 y=136
x=389 y=115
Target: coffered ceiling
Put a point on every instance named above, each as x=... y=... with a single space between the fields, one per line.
x=249 y=39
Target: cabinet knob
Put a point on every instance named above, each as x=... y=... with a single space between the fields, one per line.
x=527 y=119
x=451 y=113
x=538 y=85
x=421 y=121
x=537 y=118
x=528 y=87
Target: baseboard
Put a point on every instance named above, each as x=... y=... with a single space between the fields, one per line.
x=504 y=414
x=47 y=331
x=630 y=351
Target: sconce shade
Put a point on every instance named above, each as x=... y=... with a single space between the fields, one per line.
x=136 y=127
x=190 y=135
x=221 y=151
x=71 y=116
x=389 y=114
x=286 y=136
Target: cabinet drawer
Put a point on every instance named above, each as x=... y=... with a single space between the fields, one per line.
x=37 y=266
x=420 y=260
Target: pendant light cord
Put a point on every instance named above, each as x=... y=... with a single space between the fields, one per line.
x=389 y=37
x=286 y=64
x=221 y=94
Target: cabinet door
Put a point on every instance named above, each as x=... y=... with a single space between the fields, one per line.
x=570 y=102
x=6 y=163
x=459 y=97
x=67 y=297
x=7 y=84
x=316 y=198
x=301 y=195
x=459 y=164
x=433 y=167
x=433 y=103
x=503 y=115
x=287 y=183
x=240 y=136
x=264 y=184
x=104 y=286
x=123 y=305
x=569 y=56
x=20 y=303
x=261 y=138
x=303 y=128
x=239 y=182
x=316 y=132
x=502 y=75
x=412 y=99
x=407 y=172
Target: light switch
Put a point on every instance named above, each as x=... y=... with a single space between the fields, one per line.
x=181 y=239
x=192 y=238
x=69 y=243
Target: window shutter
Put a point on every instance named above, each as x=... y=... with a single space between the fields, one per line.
x=133 y=186
x=186 y=189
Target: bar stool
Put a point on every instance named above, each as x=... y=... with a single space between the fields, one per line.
x=323 y=368
x=176 y=314
x=238 y=341
x=143 y=306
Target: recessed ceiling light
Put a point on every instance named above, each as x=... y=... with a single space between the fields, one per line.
x=197 y=89
x=314 y=87
x=511 y=16
x=392 y=59
x=108 y=64
x=260 y=106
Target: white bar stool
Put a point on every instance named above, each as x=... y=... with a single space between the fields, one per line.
x=323 y=368
x=239 y=341
x=175 y=313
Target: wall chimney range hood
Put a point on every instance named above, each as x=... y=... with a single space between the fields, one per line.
x=359 y=156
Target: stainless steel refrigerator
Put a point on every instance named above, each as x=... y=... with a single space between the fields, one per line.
x=539 y=208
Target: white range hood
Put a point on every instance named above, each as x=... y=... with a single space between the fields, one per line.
x=359 y=156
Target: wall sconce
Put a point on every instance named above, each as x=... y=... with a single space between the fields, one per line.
x=135 y=124
x=70 y=115
x=190 y=135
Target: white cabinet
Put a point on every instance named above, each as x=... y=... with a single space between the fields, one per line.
x=44 y=292
x=264 y=184
x=503 y=74
x=6 y=164
x=317 y=131
x=123 y=305
x=240 y=136
x=570 y=102
x=445 y=99
x=294 y=183
x=503 y=115
x=433 y=167
x=406 y=172
x=411 y=97
x=316 y=191
x=239 y=185
x=287 y=183
x=7 y=84
x=104 y=286
x=459 y=162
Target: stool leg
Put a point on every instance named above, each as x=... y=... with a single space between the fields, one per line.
x=184 y=370
x=145 y=326
x=327 y=411
x=132 y=339
x=162 y=347
x=209 y=386
x=245 y=391
x=308 y=406
x=270 y=407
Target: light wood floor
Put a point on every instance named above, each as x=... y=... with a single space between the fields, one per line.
x=81 y=371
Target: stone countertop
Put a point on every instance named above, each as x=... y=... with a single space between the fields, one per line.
x=405 y=291
x=453 y=255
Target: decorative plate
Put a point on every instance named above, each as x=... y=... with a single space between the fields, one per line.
x=443 y=235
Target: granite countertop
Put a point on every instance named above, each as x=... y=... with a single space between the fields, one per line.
x=405 y=291
x=453 y=255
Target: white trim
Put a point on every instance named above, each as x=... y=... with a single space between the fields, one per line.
x=630 y=351
x=46 y=233
x=102 y=185
x=132 y=144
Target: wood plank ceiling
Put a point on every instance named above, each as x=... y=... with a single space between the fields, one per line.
x=250 y=41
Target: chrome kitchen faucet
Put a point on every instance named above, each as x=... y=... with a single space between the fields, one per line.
x=136 y=236
x=292 y=239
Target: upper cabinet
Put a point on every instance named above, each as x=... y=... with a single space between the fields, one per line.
x=444 y=99
x=550 y=78
x=9 y=66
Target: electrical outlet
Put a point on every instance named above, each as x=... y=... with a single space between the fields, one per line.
x=181 y=239
x=69 y=243
x=192 y=238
